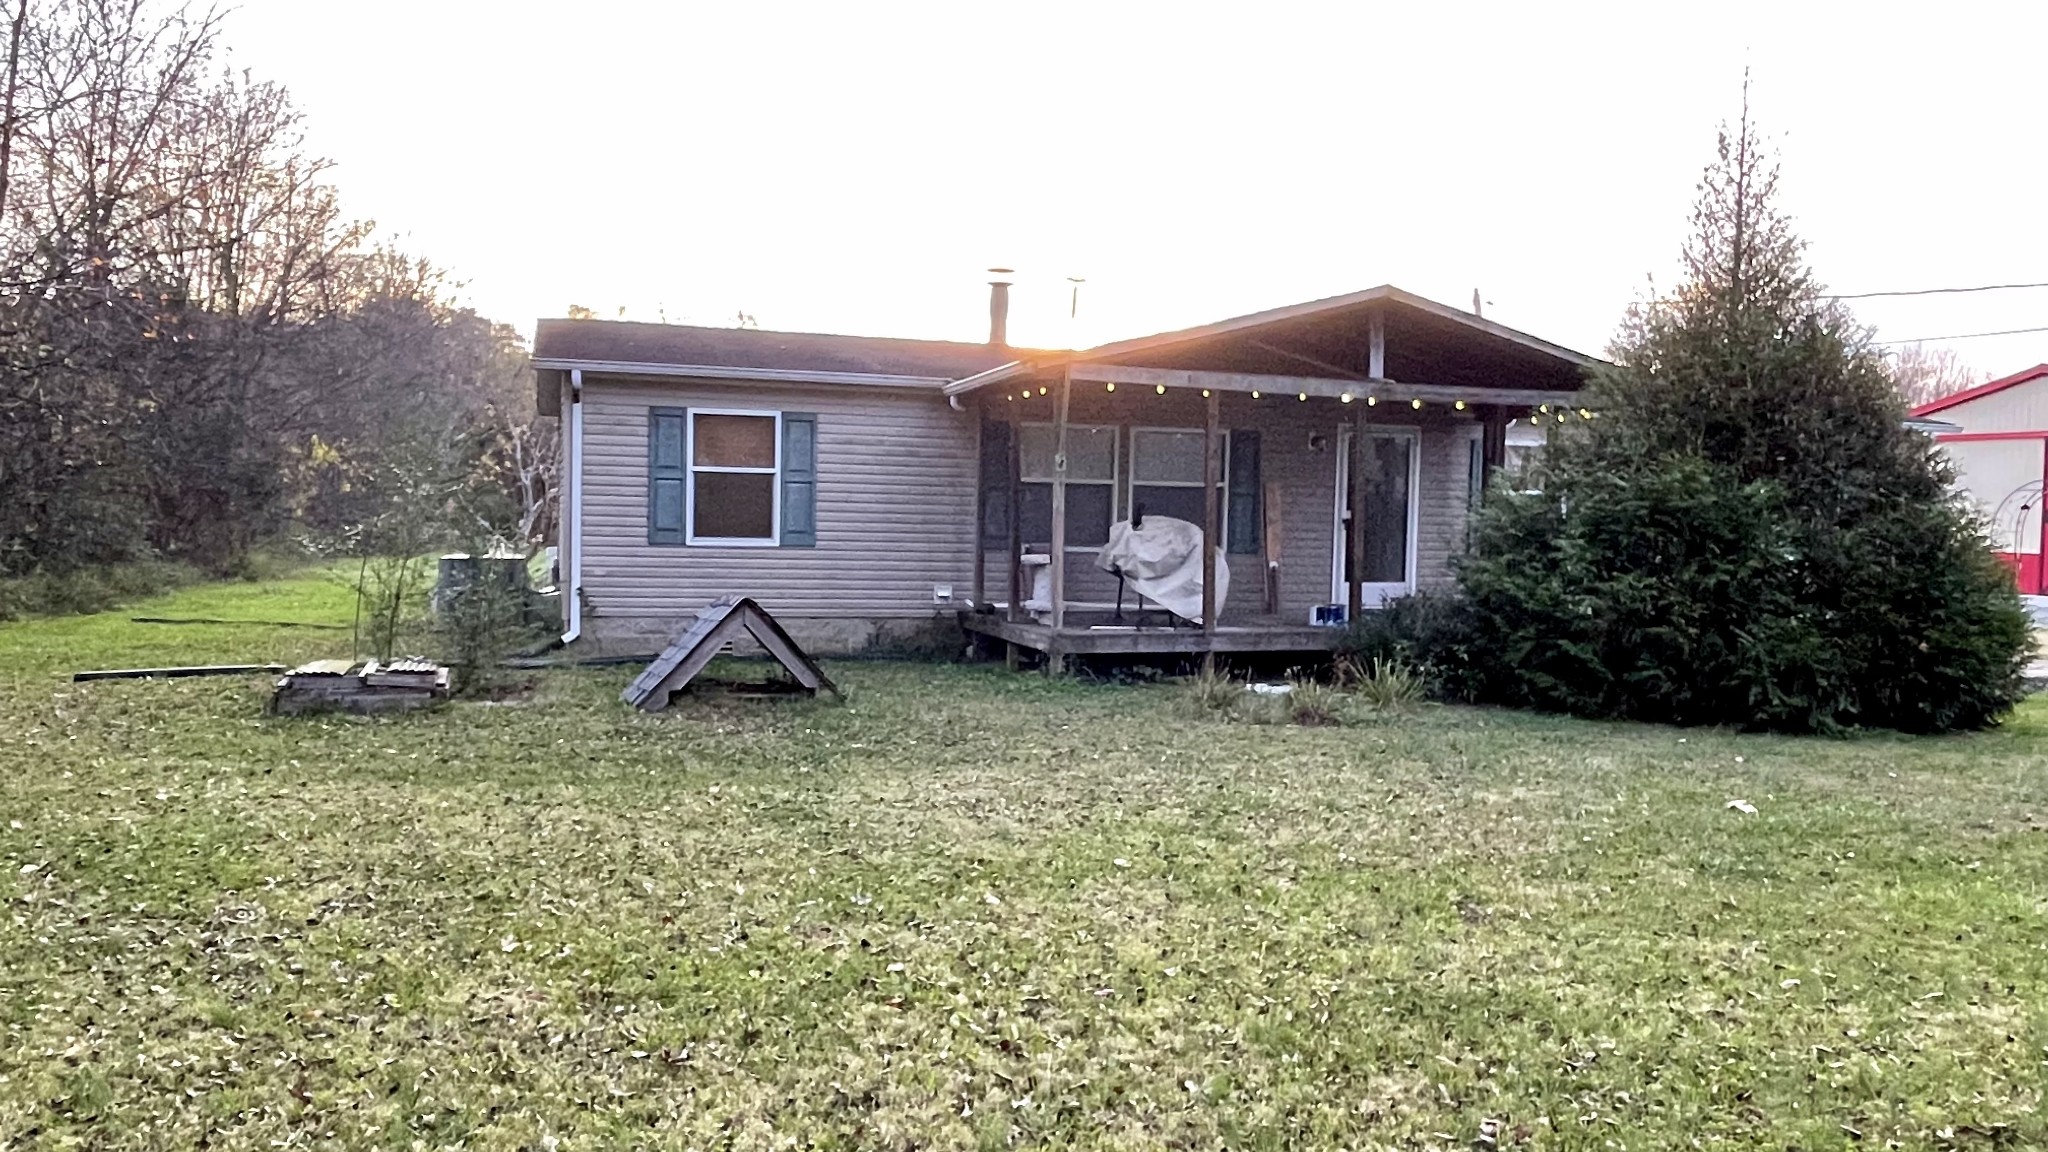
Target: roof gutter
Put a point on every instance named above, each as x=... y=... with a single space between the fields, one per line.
x=572 y=514
x=728 y=372
x=966 y=384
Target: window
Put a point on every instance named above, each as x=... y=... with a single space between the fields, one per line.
x=1091 y=483
x=735 y=458
x=1166 y=475
x=731 y=478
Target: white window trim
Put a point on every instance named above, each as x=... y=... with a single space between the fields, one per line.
x=691 y=468
x=1384 y=590
x=1132 y=483
x=1116 y=470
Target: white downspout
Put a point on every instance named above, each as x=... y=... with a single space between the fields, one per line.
x=572 y=513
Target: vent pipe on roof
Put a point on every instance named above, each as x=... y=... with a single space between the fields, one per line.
x=999 y=307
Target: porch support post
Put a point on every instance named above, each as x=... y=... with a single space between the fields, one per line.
x=1493 y=442
x=1059 y=500
x=1354 y=525
x=1014 y=474
x=1212 y=474
x=980 y=595
x=1354 y=474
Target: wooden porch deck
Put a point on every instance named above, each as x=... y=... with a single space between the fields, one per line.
x=1253 y=634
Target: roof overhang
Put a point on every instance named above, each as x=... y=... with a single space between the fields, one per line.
x=727 y=372
x=1968 y=394
x=1166 y=348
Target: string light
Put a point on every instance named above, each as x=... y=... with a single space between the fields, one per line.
x=1415 y=403
x=1545 y=409
x=1041 y=390
x=1371 y=401
x=1585 y=414
x=1303 y=396
x=1109 y=387
x=1159 y=388
x=1205 y=393
x=1345 y=397
x=1460 y=405
x=1560 y=417
x=1255 y=395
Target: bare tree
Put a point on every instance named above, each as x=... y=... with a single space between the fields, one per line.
x=1924 y=373
x=192 y=331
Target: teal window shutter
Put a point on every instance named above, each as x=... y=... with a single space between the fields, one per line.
x=1243 y=489
x=799 y=480
x=668 y=471
x=995 y=485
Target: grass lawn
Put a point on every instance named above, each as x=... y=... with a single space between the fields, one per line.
x=971 y=909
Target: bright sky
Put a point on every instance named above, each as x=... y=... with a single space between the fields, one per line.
x=853 y=167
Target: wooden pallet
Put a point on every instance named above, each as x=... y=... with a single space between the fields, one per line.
x=339 y=686
x=717 y=626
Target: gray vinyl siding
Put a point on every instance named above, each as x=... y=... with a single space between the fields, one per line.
x=895 y=506
x=1446 y=501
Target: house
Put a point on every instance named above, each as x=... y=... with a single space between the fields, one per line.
x=1996 y=435
x=858 y=486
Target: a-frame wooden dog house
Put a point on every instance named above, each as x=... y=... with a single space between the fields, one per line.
x=717 y=626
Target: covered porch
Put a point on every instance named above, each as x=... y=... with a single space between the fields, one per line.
x=1330 y=452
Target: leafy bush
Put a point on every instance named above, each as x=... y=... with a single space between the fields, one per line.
x=476 y=628
x=1657 y=596
x=1431 y=633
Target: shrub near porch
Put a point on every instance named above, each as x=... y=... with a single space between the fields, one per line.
x=975 y=909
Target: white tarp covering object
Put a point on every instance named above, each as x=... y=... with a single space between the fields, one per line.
x=1162 y=561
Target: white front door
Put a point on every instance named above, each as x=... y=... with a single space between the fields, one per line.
x=1392 y=480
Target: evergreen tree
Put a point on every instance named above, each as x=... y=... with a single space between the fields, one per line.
x=1747 y=533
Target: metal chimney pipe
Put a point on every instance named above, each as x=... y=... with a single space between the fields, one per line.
x=999 y=308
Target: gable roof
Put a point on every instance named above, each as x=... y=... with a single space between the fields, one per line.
x=1383 y=299
x=628 y=346
x=1968 y=394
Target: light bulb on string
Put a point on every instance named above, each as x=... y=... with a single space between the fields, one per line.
x=1303 y=396
x=1371 y=401
x=1159 y=388
x=1415 y=403
x=1109 y=387
x=1255 y=395
x=1460 y=405
x=1345 y=397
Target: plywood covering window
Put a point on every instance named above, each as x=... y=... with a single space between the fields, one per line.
x=1091 y=483
x=1166 y=475
x=735 y=476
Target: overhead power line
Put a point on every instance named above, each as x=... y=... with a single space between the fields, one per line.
x=1929 y=291
x=1963 y=336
